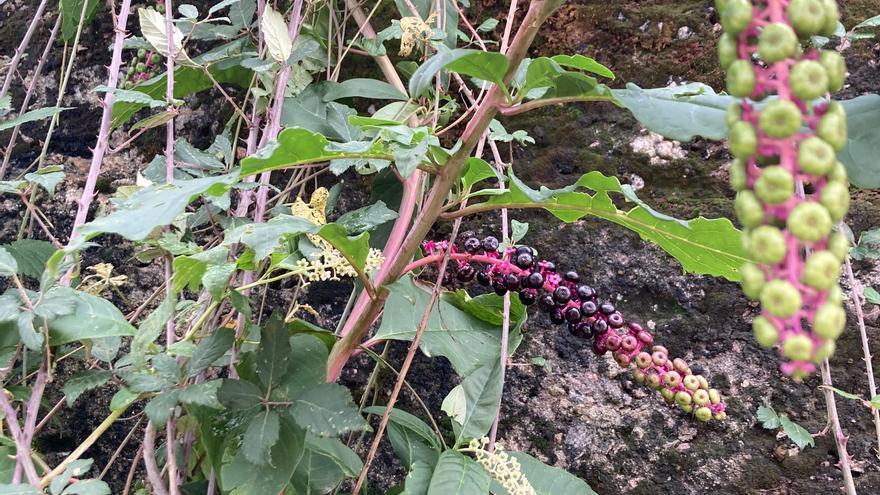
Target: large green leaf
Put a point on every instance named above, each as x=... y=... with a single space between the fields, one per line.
x=703 y=246
x=684 y=112
x=297 y=146
x=31 y=255
x=210 y=349
x=456 y=474
x=33 y=115
x=93 y=318
x=327 y=410
x=488 y=66
x=411 y=439
x=354 y=249
x=71 y=13
x=364 y=88
x=325 y=463
x=242 y=477
x=151 y=207
x=260 y=436
x=273 y=354
x=546 y=480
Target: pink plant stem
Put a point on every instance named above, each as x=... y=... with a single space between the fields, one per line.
x=856 y=297
x=88 y=192
x=29 y=93
x=23 y=461
x=153 y=473
x=839 y=438
x=22 y=46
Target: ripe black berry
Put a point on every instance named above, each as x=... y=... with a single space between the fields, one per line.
x=511 y=282
x=600 y=327
x=525 y=250
x=490 y=244
x=528 y=297
x=615 y=320
x=466 y=273
x=562 y=294
x=546 y=302
x=557 y=317
x=585 y=292
x=586 y=330
x=499 y=287
x=572 y=314
x=572 y=276
x=535 y=280
x=524 y=260
x=483 y=278
x=589 y=308
x=575 y=329
x=606 y=308
x=472 y=245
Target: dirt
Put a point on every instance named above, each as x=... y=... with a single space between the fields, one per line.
x=580 y=412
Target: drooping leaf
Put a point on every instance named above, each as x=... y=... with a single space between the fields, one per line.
x=71 y=13
x=210 y=349
x=83 y=382
x=366 y=219
x=702 y=246
x=363 y=88
x=151 y=328
x=456 y=474
x=47 y=177
x=325 y=463
x=411 y=439
x=131 y=96
x=546 y=480
x=327 y=410
x=93 y=317
x=354 y=249
x=261 y=435
x=8 y=263
x=488 y=66
x=242 y=477
x=153 y=27
x=797 y=433
x=583 y=63
x=264 y=237
x=160 y=407
x=276 y=34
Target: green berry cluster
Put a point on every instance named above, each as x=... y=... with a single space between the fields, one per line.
x=791 y=189
x=141 y=67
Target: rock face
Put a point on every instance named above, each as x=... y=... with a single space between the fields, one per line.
x=578 y=412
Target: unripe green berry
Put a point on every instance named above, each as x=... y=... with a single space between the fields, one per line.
x=734 y=114
x=691 y=382
x=765 y=332
x=839 y=246
x=728 y=48
x=809 y=222
x=767 y=244
x=821 y=270
x=798 y=348
x=668 y=395
x=775 y=185
x=752 y=280
x=815 y=156
x=807 y=17
x=701 y=397
x=832 y=15
x=825 y=351
x=687 y=409
x=780 y=298
x=748 y=209
x=780 y=119
x=127 y=85
x=740 y=79
x=720 y=416
x=140 y=67
x=829 y=321
x=683 y=398
x=809 y=80
x=653 y=381
x=835 y=296
x=671 y=379
x=835 y=198
x=639 y=376
x=776 y=42
x=704 y=384
x=736 y=16
x=141 y=53
x=832 y=128
x=835 y=67
x=838 y=173
x=156 y=58
x=703 y=414
x=739 y=177
x=714 y=396
x=130 y=70
x=743 y=139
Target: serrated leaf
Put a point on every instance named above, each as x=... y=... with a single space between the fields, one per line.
x=456 y=474
x=327 y=410
x=30 y=336
x=210 y=349
x=308 y=367
x=244 y=478
x=48 y=178
x=273 y=354
x=363 y=88
x=83 y=382
x=239 y=394
x=768 y=418
x=703 y=246
x=871 y=295
x=30 y=256
x=261 y=435
x=325 y=463
x=797 y=433
x=275 y=32
x=76 y=468
x=151 y=328
x=153 y=28
x=546 y=480
x=31 y=116
x=131 y=96
x=87 y=487
x=8 y=264
x=122 y=399
x=202 y=394
x=216 y=279
x=842 y=393
x=264 y=237
x=161 y=407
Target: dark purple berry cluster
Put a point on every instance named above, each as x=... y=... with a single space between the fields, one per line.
x=566 y=299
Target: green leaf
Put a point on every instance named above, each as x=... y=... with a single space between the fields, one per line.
x=366 y=219
x=216 y=279
x=871 y=295
x=473 y=404
x=154 y=29
x=264 y=237
x=93 y=318
x=875 y=401
x=419 y=478
x=488 y=66
x=703 y=246
x=47 y=177
x=354 y=249
x=76 y=468
x=160 y=407
x=33 y=115
x=518 y=230
x=202 y=394
x=363 y=88
x=797 y=433
x=83 y=382
x=477 y=169
x=152 y=207
x=19 y=489
x=842 y=393
x=546 y=480
x=131 y=96
x=122 y=399
x=241 y=477
x=327 y=410
x=411 y=439
x=8 y=264
x=31 y=256
x=456 y=474
x=325 y=463
x=308 y=367
x=30 y=337
x=187 y=273
x=768 y=418
x=210 y=349
x=71 y=13
x=863 y=139
x=239 y=394
x=583 y=63
x=273 y=354
x=261 y=435
x=151 y=328
x=296 y=146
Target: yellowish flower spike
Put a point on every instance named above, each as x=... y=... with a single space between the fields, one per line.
x=501 y=466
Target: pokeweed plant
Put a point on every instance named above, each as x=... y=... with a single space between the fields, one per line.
x=248 y=404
